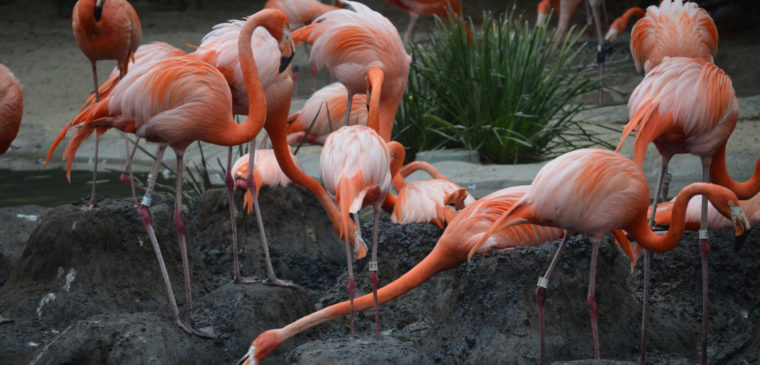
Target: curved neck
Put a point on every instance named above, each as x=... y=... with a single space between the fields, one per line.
x=719 y=175
x=375 y=78
x=432 y=264
x=642 y=233
x=424 y=166
x=622 y=22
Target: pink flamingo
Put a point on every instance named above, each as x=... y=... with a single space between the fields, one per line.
x=266 y=172
x=356 y=167
x=673 y=29
x=145 y=54
x=415 y=8
x=683 y=105
x=618 y=25
x=178 y=101
x=593 y=192
x=105 y=31
x=452 y=249
x=325 y=109
x=11 y=107
x=715 y=220
x=220 y=48
x=363 y=50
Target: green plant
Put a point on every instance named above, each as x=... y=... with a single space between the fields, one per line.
x=503 y=93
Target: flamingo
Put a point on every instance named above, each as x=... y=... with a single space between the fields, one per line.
x=266 y=173
x=415 y=8
x=674 y=29
x=178 y=101
x=356 y=168
x=363 y=50
x=145 y=54
x=715 y=220
x=105 y=30
x=683 y=105
x=11 y=107
x=220 y=48
x=719 y=175
x=618 y=26
x=592 y=191
x=452 y=249
x=325 y=108
x=300 y=13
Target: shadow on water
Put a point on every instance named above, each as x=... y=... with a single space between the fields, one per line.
x=50 y=188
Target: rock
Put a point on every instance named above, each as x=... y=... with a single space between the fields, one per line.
x=130 y=338
x=302 y=243
x=78 y=264
x=387 y=350
x=239 y=312
x=16 y=223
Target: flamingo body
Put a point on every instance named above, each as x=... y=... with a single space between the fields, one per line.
x=11 y=107
x=327 y=108
x=428 y=201
x=676 y=29
x=266 y=172
x=115 y=36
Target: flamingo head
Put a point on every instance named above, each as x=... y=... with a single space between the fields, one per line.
x=98 y=11
x=262 y=346
x=726 y=202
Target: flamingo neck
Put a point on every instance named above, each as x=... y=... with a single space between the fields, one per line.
x=643 y=234
x=719 y=175
x=424 y=166
x=434 y=263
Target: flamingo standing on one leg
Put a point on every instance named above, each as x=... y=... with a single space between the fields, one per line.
x=593 y=192
x=415 y=8
x=683 y=105
x=618 y=25
x=363 y=50
x=356 y=168
x=176 y=102
x=452 y=249
x=11 y=110
x=105 y=30
x=323 y=113
x=145 y=54
x=219 y=48
x=673 y=29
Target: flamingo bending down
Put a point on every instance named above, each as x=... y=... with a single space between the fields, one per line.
x=452 y=249
x=176 y=102
x=145 y=54
x=11 y=107
x=715 y=220
x=220 y=48
x=266 y=172
x=323 y=113
x=673 y=29
x=415 y=8
x=618 y=25
x=356 y=167
x=105 y=30
x=683 y=105
x=719 y=175
x=593 y=192
x=363 y=50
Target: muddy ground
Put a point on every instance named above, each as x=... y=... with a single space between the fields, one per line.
x=87 y=290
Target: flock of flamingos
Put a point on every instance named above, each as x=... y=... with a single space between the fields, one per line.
x=684 y=104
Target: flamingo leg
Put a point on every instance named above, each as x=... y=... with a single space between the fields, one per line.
x=144 y=212
x=373 y=270
x=126 y=177
x=596 y=10
x=230 y=184
x=590 y=301
x=93 y=204
x=409 y=33
x=348 y=106
x=704 y=249
x=351 y=286
x=541 y=290
x=180 y=227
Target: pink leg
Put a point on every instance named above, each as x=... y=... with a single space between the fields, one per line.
x=373 y=270
x=351 y=283
x=541 y=290
x=590 y=301
x=179 y=225
x=271 y=277
x=144 y=212
x=601 y=52
x=126 y=177
x=704 y=249
x=93 y=204
x=228 y=181
x=348 y=106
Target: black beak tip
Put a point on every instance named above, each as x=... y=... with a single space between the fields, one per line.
x=285 y=62
x=98 y=13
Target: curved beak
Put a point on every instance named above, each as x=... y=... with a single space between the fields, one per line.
x=287 y=57
x=98 y=12
x=741 y=226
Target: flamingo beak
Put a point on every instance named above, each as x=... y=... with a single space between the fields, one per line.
x=287 y=57
x=741 y=226
x=98 y=12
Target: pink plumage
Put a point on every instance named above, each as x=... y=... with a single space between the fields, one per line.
x=674 y=29
x=327 y=108
x=11 y=107
x=266 y=172
x=300 y=12
x=715 y=220
x=425 y=202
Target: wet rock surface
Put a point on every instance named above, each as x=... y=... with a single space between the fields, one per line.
x=114 y=308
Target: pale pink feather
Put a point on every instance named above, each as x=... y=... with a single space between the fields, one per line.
x=420 y=201
x=330 y=101
x=299 y=12
x=265 y=166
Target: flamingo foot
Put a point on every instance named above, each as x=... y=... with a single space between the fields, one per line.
x=91 y=205
x=205 y=332
x=274 y=281
x=246 y=280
